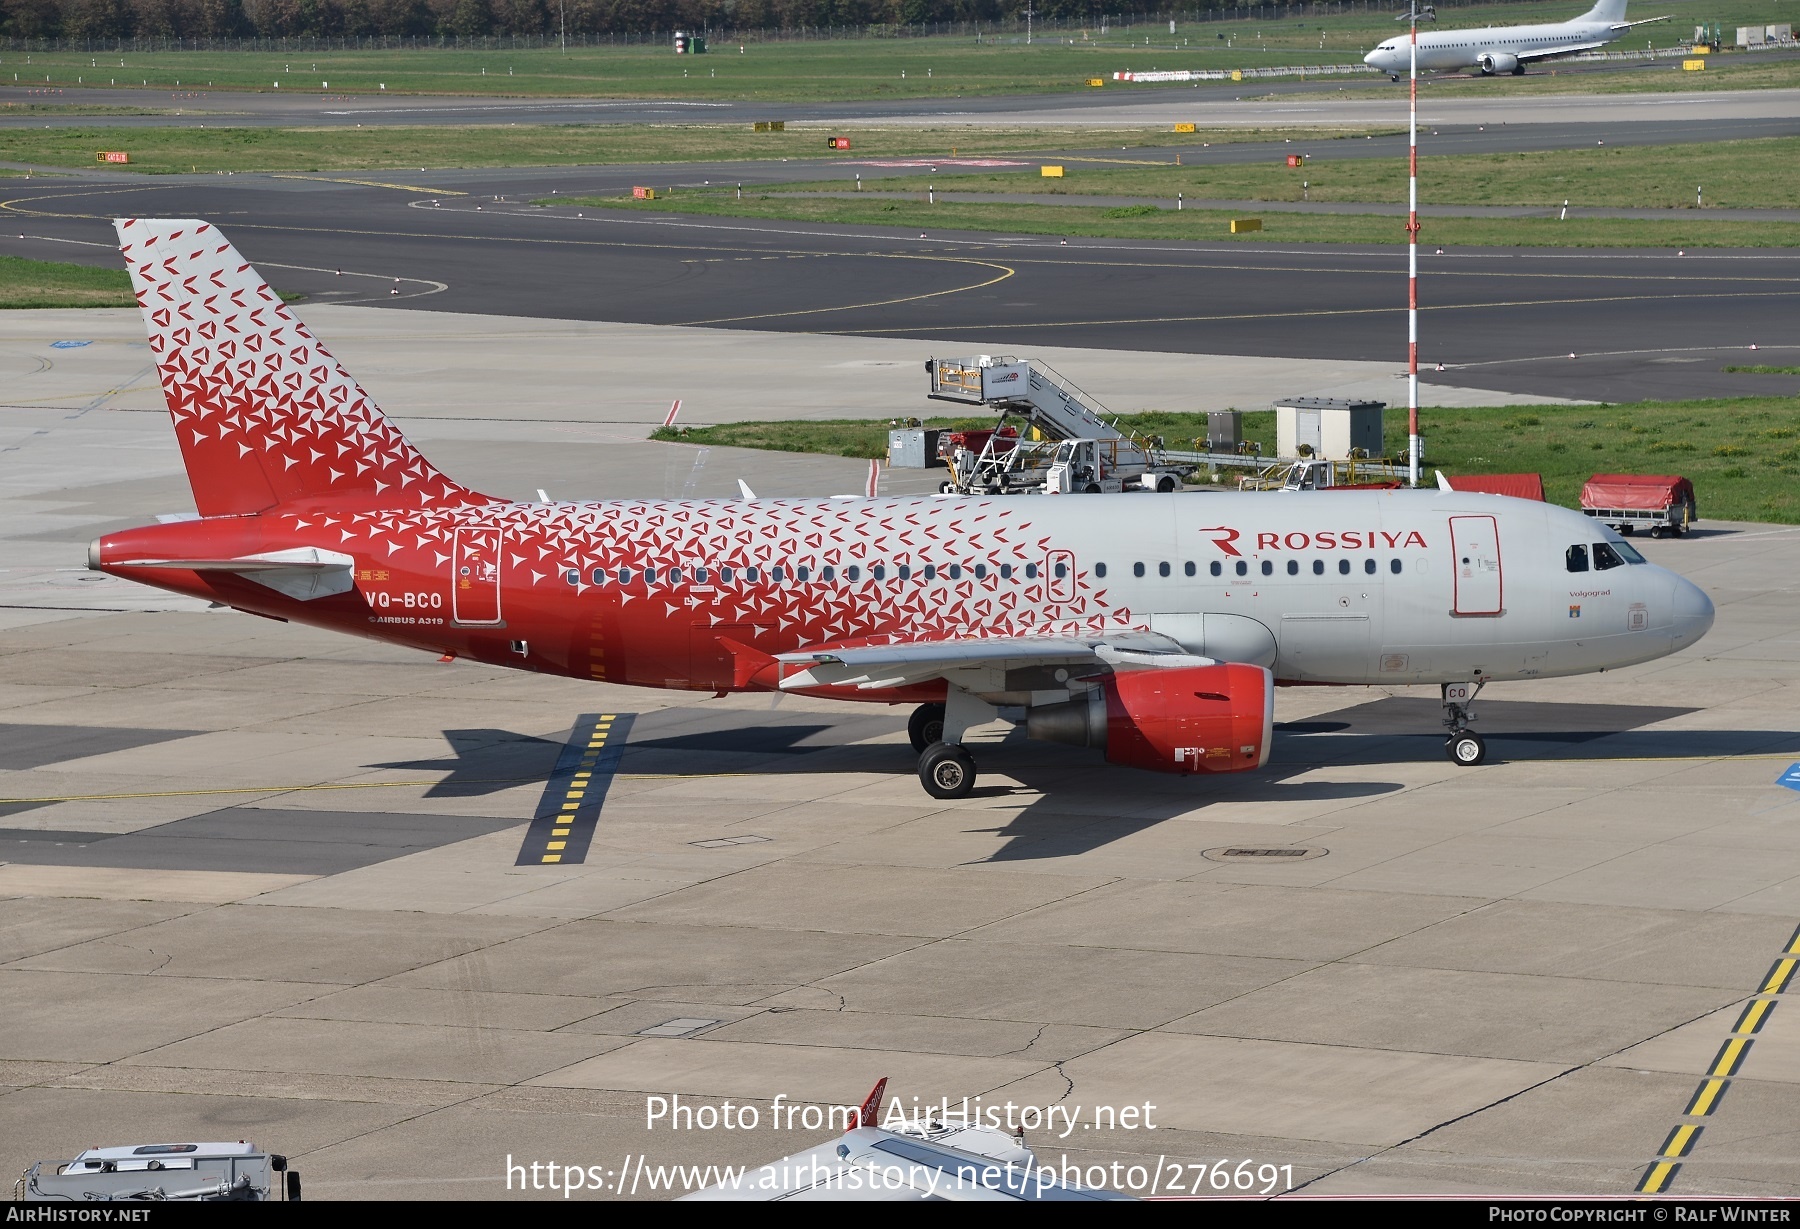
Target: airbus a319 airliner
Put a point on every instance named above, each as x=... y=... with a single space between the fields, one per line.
x=1152 y=627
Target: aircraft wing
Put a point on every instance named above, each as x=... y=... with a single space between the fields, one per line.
x=1626 y=25
x=869 y=667
x=1551 y=53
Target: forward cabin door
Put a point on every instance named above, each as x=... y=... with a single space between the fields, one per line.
x=475 y=576
x=1476 y=543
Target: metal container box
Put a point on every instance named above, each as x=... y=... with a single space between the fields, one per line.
x=1329 y=427
x=914 y=448
x=1224 y=430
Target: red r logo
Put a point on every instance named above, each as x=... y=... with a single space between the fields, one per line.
x=1224 y=539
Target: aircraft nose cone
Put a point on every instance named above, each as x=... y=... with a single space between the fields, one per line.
x=1692 y=610
x=1372 y=59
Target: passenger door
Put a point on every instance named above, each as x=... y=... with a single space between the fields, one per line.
x=1475 y=542
x=475 y=576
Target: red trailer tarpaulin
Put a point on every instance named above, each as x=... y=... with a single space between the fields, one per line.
x=1644 y=492
x=1519 y=486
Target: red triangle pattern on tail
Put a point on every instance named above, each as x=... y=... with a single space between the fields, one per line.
x=264 y=415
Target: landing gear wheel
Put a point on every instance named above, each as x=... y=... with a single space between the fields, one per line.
x=1518 y=70
x=1165 y=485
x=1465 y=749
x=947 y=771
x=926 y=726
x=1092 y=488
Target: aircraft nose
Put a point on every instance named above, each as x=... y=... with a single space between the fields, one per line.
x=1692 y=612
x=1371 y=59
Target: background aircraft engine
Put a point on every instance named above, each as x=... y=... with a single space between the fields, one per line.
x=1193 y=719
x=1497 y=62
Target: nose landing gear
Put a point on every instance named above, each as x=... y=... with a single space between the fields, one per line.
x=1464 y=746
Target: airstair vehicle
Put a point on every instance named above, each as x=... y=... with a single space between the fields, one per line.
x=1067 y=444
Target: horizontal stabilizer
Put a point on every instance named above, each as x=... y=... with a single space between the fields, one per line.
x=302 y=573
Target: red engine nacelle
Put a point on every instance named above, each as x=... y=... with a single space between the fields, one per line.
x=1193 y=719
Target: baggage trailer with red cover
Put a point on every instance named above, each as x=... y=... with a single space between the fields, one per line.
x=1662 y=503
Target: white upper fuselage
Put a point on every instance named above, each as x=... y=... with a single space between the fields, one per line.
x=1441 y=50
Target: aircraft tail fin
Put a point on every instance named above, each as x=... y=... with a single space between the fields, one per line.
x=870 y=1113
x=1611 y=11
x=264 y=415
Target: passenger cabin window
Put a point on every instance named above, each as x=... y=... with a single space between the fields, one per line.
x=1605 y=557
x=1343 y=567
x=1162 y=569
x=1293 y=567
x=1006 y=571
x=1318 y=567
x=981 y=571
x=800 y=573
x=1575 y=559
x=775 y=574
x=903 y=572
x=828 y=573
x=1100 y=569
x=1368 y=567
x=724 y=576
x=878 y=571
x=1268 y=567
x=1243 y=568
x=1188 y=569
x=674 y=576
x=853 y=573
x=930 y=572
x=1062 y=570
x=1394 y=566
x=954 y=571
x=1217 y=569
x=573 y=576
x=1137 y=569
x=649 y=576
x=599 y=576
x=700 y=575
x=1031 y=571
x=752 y=575
x=624 y=576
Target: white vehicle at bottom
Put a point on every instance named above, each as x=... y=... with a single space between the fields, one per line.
x=922 y=1161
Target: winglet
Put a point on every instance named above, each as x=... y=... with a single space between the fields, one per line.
x=744 y=487
x=1443 y=482
x=870 y=1113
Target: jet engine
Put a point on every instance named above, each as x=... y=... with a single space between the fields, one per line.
x=1492 y=62
x=1217 y=718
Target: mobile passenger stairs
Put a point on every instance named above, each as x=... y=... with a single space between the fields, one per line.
x=1065 y=444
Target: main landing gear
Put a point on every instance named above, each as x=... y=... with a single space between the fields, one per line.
x=947 y=771
x=945 y=767
x=1464 y=746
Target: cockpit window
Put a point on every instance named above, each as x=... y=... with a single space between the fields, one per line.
x=1630 y=552
x=1576 y=559
x=1605 y=557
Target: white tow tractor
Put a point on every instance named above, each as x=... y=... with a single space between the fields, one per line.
x=180 y=1173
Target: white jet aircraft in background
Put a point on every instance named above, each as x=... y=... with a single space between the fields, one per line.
x=1507 y=49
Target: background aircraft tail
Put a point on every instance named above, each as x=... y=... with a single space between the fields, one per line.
x=1605 y=10
x=264 y=415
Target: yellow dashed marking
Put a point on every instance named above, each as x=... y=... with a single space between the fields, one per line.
x=1755 y=1013
x=1730 y=1055
x=1706 y=1097
x=553 y=857
x=1680 y=1141
x=1780 y=975
x=1656 y=1178
x=557 y=845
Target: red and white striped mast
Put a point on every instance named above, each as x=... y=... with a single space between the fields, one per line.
x=1414 y=15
